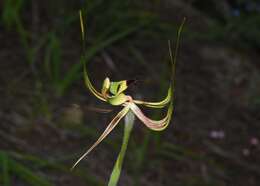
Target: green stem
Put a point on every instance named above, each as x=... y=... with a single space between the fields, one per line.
x=129 y=122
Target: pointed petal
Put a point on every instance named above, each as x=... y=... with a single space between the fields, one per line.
x=109 y=128
x=156 y=125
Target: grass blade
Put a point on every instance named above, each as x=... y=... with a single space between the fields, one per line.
x=28 y=175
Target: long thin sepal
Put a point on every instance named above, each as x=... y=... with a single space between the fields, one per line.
x=173 y=57
x=82 y=26
x=109 y=128
x=83 y=61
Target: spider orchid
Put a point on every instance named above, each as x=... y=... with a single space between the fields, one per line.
x=114 y=94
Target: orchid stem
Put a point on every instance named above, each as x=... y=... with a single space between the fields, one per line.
x=129 y=122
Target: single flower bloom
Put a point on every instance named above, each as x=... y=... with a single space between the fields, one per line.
x=113 y=92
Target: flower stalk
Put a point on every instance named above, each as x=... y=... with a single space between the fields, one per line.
x=129 y=123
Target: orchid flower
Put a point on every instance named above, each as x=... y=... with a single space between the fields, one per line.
x=113 y=93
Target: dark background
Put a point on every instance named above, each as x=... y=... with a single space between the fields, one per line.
x=48 y=117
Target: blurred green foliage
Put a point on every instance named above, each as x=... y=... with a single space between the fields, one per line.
x=12 y=167
x=12 y=17
x=107 y=23
x=234 y=22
